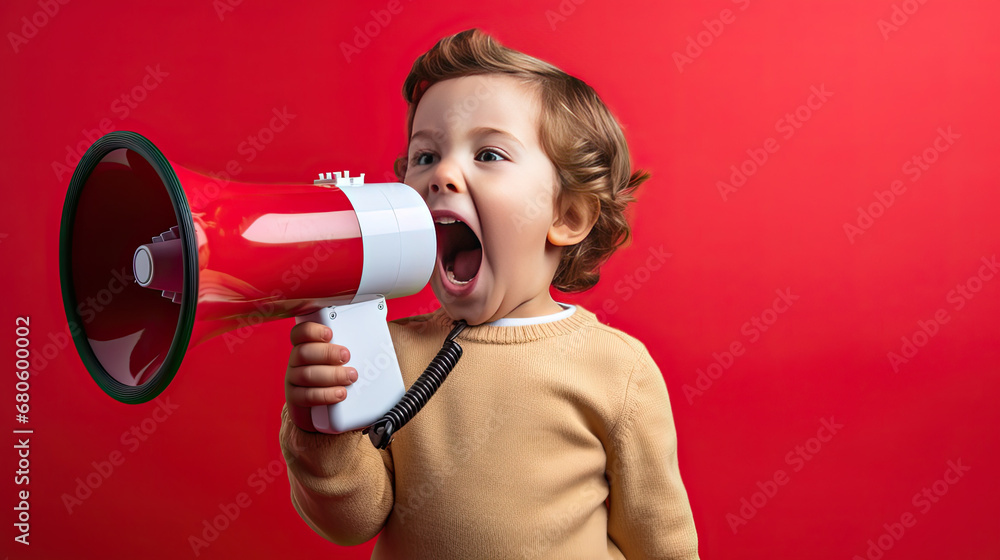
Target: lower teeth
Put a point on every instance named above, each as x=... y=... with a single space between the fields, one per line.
x=451 y=277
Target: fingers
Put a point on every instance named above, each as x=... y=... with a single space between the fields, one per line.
x=311 y=346
x=315 y=385
x=322 y=353
x=316 y=372
x=321 y=376
x=314 y=396
x=310 y=331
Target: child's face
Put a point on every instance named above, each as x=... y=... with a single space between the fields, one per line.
x=475 y=157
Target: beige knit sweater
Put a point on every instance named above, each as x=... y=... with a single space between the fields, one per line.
x=551 y=440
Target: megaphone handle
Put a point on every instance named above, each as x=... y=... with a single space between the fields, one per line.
x=362 y=328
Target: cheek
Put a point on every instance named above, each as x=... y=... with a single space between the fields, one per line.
x=515 y=239
x=528 y=210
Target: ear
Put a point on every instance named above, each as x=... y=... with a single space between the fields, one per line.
x=575 y=216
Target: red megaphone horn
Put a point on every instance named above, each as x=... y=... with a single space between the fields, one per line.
x=155 y=257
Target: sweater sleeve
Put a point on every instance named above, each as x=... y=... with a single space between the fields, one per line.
x=649 y=513
x=342 y=486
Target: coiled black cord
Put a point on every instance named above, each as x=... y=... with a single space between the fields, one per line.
x=382 y=431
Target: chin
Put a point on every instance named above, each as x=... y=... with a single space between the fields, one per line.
x=470 y=308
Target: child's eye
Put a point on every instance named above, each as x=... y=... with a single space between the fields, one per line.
x=423 y=158
x=489 y=155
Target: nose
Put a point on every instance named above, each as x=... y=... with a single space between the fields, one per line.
x=447 y=177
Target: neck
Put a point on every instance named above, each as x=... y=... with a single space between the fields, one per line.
x=538 y=306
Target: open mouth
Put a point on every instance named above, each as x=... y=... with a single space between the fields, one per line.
x=459 y=250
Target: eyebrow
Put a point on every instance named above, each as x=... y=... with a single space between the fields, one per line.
x=479 y=131
x=486 y=131
x=422 y=134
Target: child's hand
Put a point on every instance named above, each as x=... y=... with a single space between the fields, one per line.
x=316 y=373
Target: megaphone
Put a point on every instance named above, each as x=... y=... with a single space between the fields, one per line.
x=155 y=258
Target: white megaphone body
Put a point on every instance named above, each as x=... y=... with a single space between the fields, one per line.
x=201 y=257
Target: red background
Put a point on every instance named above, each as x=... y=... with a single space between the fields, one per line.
x=826 y=356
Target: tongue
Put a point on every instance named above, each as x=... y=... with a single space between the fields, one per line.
x=467 y=264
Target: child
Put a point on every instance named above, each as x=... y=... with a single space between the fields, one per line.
x=553 y=437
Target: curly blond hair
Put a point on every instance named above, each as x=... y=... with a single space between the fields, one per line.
x=577 y=131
